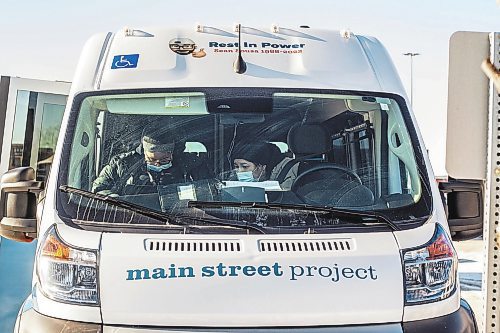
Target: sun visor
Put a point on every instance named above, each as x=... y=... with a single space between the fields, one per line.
x=164 y=104
x=358 y=105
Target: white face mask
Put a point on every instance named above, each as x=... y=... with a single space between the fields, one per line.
x=160 y=168
x=245 y=176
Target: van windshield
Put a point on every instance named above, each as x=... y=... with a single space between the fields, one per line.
x=179 y=152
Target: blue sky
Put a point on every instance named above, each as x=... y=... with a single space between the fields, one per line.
x=43 y=39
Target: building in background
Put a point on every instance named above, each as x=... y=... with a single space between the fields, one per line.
x=31 y=112
x=30 y=116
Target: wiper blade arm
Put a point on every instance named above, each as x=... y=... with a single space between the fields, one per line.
x=347 y=213
x=226 y=223
x=122 y=204
x=156 y=215
x=335 y=211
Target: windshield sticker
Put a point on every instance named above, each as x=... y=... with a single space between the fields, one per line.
x=186 y=46
x=263 y=47
x=334 y=273
x=125 y=61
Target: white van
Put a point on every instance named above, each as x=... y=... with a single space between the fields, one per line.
x=240 y=179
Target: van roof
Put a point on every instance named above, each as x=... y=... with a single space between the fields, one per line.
x=277 y=57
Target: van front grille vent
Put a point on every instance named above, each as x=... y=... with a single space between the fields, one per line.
x=193 y=245
x=337 y=245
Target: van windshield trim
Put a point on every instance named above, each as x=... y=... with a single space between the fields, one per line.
x=423 y=207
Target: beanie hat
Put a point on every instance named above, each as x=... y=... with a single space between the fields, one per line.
x=259 y=153
x=157 y=138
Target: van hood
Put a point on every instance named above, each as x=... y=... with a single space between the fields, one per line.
x=250 y=281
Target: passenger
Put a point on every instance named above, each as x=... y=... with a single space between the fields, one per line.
x=254 y=162
x=159 y=160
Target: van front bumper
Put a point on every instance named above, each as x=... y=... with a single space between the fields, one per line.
x=460 y=321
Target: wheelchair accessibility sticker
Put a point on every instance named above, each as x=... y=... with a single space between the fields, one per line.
x=125 y=61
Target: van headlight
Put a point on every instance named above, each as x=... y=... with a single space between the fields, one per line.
x=430 y=270
x=66 y=273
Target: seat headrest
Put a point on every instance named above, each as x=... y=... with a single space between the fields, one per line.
x=308 y=139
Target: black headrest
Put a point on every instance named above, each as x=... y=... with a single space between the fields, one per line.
x=308 y=139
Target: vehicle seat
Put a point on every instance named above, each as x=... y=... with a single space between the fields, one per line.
x=309 y=144
x=316 y=180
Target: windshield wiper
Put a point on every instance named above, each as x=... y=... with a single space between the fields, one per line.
x=349 y=214
x=119 y=203
x=226 y=223
x=157 y=215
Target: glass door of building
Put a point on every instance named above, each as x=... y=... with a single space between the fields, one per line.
x=36 y=127
x=48 y=117
x=31 y=112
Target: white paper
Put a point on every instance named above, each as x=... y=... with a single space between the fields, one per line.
x=186 y=192
x=268 y=185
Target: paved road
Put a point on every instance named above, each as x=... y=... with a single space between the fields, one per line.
x=16 y=267
x=470 y=268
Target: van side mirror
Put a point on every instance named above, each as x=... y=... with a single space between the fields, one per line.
x=18 y=203
x=464 y=207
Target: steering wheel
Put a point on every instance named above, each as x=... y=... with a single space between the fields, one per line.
x=296 y=183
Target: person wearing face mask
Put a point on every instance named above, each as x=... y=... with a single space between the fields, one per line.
x=254 y=162
x=159 y=160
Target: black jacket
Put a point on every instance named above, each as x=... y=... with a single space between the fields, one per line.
x=130 y=169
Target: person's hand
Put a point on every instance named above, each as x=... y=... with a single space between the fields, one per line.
x=491 y=72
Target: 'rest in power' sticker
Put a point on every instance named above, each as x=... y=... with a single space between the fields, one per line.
x=125 y=61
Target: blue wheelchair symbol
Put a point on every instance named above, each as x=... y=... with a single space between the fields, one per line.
x=125 y=61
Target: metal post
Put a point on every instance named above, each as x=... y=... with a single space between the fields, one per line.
x=491 y=278
x=411 y=54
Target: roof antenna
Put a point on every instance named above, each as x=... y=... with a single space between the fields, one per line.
x=239 y=64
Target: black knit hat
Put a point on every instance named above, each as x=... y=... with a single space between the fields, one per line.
x=156 y=137
x=259 y=153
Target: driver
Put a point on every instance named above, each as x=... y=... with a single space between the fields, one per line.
x=159 y=160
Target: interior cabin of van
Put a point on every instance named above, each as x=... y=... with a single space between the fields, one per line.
x=331 y=150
